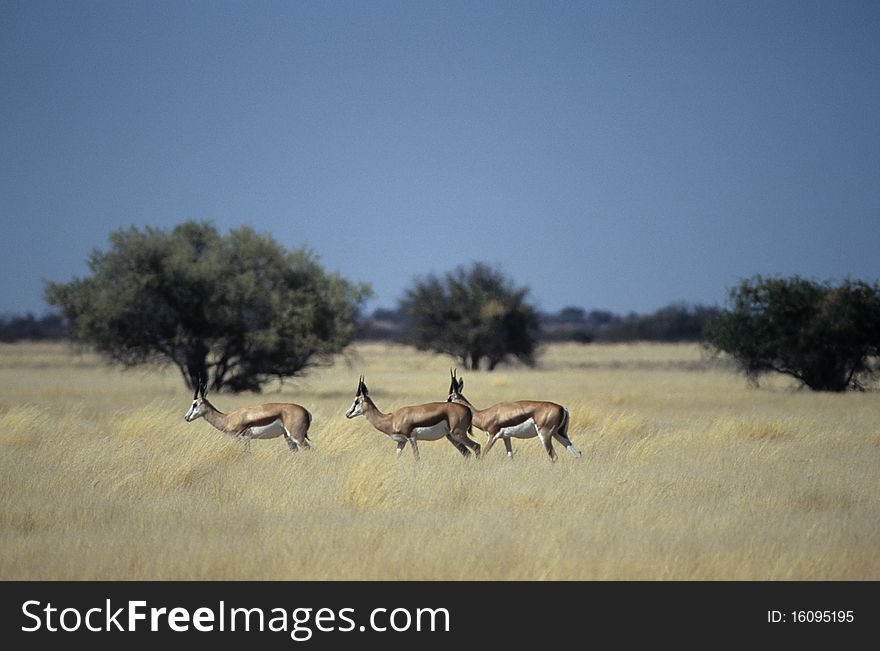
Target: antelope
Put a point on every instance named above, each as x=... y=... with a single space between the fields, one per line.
x=522 y=419
x=428 y=422
x=267 y=421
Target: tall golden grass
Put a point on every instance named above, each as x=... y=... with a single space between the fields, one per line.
x=687 y=473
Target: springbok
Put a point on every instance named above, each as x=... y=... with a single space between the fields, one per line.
x=266 y=421
x=522 y=419
x=428 y=422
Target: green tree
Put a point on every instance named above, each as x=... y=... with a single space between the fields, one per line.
x=239 y=308
x=472 y=313
x=828 y=337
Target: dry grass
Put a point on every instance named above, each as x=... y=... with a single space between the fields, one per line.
x=687 y=474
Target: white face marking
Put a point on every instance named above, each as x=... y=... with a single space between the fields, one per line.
x=195 y=411
x=356 y=409
x=525 y=430
x=433 y=433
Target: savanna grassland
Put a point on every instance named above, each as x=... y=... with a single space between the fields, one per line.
x=687 y=473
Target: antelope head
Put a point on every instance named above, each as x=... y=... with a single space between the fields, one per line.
x=455 y=388
x=357 y=407
x=195 y=410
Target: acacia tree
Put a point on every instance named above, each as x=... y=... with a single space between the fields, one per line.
x=828 y=337
x=472 y=313
x=239 y=308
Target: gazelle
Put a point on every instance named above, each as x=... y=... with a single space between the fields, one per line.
x=266 y=421
x=522 y=419
x=428 y=422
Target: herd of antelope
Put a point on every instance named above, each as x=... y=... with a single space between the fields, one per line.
x=453 y=420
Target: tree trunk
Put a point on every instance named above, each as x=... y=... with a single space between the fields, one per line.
x=197 y=364
x=827 y=379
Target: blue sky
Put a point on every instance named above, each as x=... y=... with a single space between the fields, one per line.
x=616 y=155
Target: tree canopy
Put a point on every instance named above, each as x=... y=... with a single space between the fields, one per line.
x=826 y=336
x=238 y=308
x=473 y=313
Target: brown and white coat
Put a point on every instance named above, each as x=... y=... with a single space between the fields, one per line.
x=265 y=421
x=429 y=422
x=519 y=419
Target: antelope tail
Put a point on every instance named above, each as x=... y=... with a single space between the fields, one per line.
x=563 y=429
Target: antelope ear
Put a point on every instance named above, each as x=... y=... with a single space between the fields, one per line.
x=203 y=388
x=460 y=385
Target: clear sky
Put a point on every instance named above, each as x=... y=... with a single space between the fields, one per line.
x=616 y=155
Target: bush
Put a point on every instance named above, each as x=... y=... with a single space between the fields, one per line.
x=473 y=313
x=828 y=337
x=239 y=309
x=50 y=327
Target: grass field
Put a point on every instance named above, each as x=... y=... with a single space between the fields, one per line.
x=687 y=473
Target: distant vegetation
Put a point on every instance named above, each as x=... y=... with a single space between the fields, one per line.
x=678 y=322
x=825 y=336
x=50 y=327
x=473 y=313
x=674 y=323
x=235 y=309
x=240 y=309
